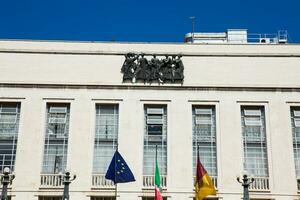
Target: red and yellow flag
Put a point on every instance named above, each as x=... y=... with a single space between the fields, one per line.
x=204 y=185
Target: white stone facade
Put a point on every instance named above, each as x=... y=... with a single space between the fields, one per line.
x=35 y=73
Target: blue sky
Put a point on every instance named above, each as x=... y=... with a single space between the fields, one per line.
x=142 y=21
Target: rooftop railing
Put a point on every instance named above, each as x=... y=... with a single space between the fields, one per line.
x=281 y=37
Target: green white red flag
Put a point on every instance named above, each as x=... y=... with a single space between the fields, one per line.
x=157 y=182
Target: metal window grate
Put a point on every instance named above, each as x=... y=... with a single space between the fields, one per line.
x=103 y=198
x=296 y=113
x=252 y=121
x=9 y=128
x=155 y=133
x=295 y=117
x=50 y=198
x=252 y=112
x=204 y=136
x=155 y=119
x=106 y=136
x=152 y=198
x=254 y=140
x=56 y=138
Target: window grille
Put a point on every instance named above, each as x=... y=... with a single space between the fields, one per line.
x=254 y=141
x=296 y=113
x=155 y=119
x=203 y=111
x=252 y=112
x=103 y=198
x=297 y=122
x=158 y=111
x=155 y=133
x=295 y=118
x=152 y=198
x=204 y=137
x=56 y=138
x=49 y=198
x=9 y=128
x=106 y=136
x=203 y=119
x=214 y=198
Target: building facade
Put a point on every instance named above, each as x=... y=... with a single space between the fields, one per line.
x=65 y=106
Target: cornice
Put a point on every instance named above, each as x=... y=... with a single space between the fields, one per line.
x=149 y=87
x=118 y=53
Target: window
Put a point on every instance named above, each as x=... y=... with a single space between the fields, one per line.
x=155 y=135
x=56 y=138
x=204 y=137
x=106 y=136
x=50 y=198
x=9 y=197
x=152 y=198
x=103 y=198
x=9 y=128
x=209 y=198
x=254 y=140
x=295 y=119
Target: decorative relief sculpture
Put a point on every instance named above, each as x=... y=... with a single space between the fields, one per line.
x=137 y=68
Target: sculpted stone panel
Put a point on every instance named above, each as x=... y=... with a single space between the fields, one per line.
x=137 y=68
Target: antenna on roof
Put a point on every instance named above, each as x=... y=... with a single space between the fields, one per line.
x=193 y=18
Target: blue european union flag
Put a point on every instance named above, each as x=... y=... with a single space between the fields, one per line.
x=118 y=170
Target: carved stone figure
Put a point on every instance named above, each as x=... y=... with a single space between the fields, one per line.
x=129 y=66
x=178 y=75
x=154 y=66
x=166 y=69
x=141 y=72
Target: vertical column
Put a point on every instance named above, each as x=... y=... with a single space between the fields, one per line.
x=80 y=147
x=131 y=133
x=180 y=174
x=30 y=145
x=229 y=146
x=280 y=146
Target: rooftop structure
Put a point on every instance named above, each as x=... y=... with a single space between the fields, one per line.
x=237 y=36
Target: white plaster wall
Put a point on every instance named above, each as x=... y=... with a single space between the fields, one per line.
x=205 y=65
x=200 y=71
x=180 y=185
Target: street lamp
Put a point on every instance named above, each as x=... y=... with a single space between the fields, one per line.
x=245 y=183
x=66 y=180
x=6 y=179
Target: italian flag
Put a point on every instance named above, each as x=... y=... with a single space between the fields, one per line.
x=157 y=183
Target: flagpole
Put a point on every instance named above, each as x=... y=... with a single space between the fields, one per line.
x=197 y=175
x=116 y=184
x=197 y=158
x=155 y=166
x=157 y=180
x=155 y=159
x=155 y=154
